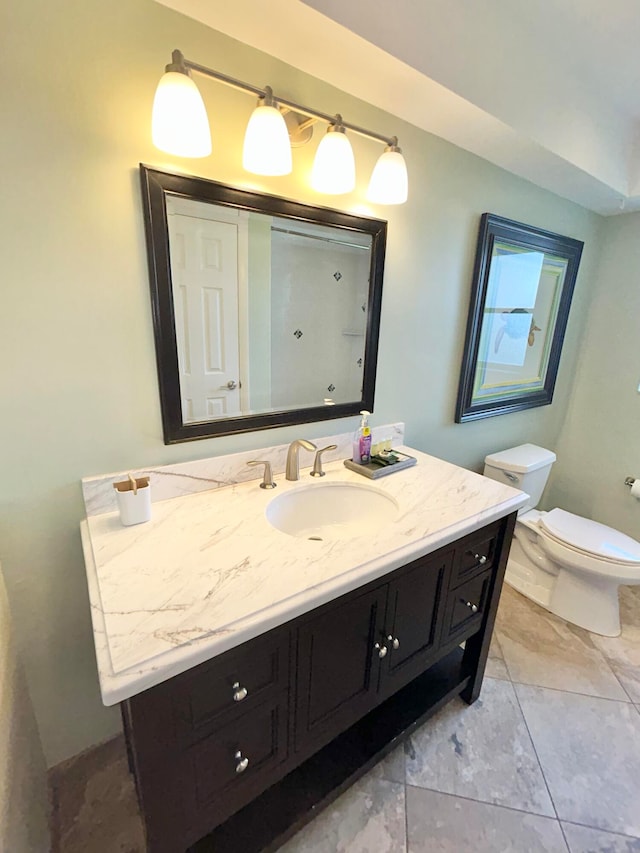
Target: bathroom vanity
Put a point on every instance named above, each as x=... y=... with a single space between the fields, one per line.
x=252 y=709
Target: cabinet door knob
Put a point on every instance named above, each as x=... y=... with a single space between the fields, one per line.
x=382 y=650
x=481 y=559
x=472 y=607
x=241 y=763
x=395 y=642
x=239 y=693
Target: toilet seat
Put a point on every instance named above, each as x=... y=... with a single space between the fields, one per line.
x=596 y=562
x=591 y=538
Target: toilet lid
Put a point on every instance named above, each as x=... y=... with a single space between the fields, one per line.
x=590 y=536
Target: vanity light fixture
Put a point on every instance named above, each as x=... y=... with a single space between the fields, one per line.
x=179 y=123
x=334 y=167
x=180 y=127
x=267 y=150
x=389 y=182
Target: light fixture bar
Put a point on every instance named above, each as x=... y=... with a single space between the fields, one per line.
x=223 y=78
x=179 y=60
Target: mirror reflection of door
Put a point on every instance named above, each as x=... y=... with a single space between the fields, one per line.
x=207 y=292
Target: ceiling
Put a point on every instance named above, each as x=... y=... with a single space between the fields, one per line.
x=548 y=90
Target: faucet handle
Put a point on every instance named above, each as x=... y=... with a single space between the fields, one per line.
x=317 y=462
x=267 y=480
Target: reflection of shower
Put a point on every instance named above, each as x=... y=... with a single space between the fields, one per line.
x=333 y=240
x=319 y=283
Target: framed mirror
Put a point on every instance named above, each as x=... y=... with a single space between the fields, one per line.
x=523 y=281
x=266 y=311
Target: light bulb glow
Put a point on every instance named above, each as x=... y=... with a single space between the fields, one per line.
x=267 y=150
x=334 y=167
x=389 y=182
x=179 y=123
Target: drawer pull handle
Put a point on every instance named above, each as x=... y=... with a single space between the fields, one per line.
x=382 y=650
x=395 y=642
x=239 y=693
x=481 y=559
x=472 y=607
x=242 y=763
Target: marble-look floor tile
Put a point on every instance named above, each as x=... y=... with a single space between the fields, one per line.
x=630 y=605
x=94 y=803
x=589 y=749
x=392 y=767
x=623 y=652
x=368 y=818
x=482 y=751
x=542 y=649
x=442 y=823
x=496 y=667
x=583 y=839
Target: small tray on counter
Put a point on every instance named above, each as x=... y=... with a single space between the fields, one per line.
x=374 y=472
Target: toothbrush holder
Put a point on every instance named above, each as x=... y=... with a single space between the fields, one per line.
x=134 y=500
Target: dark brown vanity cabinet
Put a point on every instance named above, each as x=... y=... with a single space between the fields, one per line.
x=351 y=654
x=238 y=753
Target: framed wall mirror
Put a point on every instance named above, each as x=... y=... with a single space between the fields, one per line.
x=523 y=281
x=266 y=311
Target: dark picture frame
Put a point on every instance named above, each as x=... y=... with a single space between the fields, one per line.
x=156 y=187
x=523 y=282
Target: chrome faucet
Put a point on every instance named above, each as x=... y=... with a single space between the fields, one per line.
x=293 y=469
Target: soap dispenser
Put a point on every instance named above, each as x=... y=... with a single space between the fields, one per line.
x=362 y=441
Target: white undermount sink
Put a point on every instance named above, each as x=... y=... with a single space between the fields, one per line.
x=331 y=511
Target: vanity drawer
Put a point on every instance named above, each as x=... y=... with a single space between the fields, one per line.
x=465 y=606
x=237 y=761
x=232 y=684
x=475 y=554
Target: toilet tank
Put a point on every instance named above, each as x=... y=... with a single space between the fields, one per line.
x=525 y=467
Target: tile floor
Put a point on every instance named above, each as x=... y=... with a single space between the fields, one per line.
x=548 y=759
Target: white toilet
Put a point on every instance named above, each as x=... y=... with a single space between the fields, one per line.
x=570 y=565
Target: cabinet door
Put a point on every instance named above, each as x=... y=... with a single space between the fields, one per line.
x=338 y=667
x=413 y=620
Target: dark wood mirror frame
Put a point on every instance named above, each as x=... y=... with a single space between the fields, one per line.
x=518 y=237
x=156 y=185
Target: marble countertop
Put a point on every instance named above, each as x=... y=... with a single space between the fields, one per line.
x=209 y=572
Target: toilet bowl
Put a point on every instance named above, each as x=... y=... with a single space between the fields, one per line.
x=570 y=565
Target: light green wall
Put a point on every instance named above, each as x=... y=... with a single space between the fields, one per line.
x=600 y=443
x=79 y=392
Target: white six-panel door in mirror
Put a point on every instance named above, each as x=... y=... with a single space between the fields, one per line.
x=205 y=273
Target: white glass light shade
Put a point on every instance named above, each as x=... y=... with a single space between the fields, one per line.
x=267 y=150
x=179 y=123
x=334 y=167
x=389 y=183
